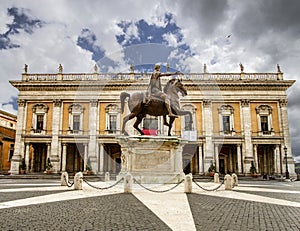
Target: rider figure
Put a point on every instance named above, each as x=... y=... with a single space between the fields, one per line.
x=156 y=89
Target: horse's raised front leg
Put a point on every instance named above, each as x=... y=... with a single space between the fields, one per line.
x=125 y=120
x=170 y=125
x=165 y=120
x=139 y=119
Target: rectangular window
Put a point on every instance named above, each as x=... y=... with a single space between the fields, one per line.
x=113 y=123
x=76 y=123
x=39 y=123
x=226 y=124
x=187 y=124
x=264 y=123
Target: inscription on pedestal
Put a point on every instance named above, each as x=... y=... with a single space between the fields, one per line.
x=158 y=161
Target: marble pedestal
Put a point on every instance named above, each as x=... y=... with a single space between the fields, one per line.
x=152 y=159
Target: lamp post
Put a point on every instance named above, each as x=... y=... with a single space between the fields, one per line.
x=287 y=174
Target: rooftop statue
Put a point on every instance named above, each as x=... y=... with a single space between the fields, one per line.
x=156 y=101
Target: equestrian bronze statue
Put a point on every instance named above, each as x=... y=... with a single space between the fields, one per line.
x=160 y=103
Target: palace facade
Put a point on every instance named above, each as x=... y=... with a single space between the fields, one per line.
x=7 y=139
x=239 y=120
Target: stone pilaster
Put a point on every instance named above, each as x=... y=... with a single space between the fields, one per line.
x=93 y=134
x=19 y=143
x=207 y=131
x=55 y=132
x=85 y=156
x=286 y=136
x=277 y=160
x=217 y=157
x=64 y=157
x=101 y=159
x=200 y=159
x=239 y=159
x=247 y=125
x=255 y=157
x=27 y=153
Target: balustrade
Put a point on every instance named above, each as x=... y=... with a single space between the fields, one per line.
x=141 y=76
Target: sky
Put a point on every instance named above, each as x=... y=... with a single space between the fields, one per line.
x=115 y=34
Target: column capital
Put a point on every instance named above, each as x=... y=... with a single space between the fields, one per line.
x=57 y=102
x=207 y=103
x=245 y=102
x=21 y=102
x=283 y=102
x=94 y=102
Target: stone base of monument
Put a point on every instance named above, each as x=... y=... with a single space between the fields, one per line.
x=152 y=159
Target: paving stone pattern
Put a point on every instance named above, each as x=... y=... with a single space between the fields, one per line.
x=125 y=212
x=215 y=213
x=282 y=196
x=112 y=212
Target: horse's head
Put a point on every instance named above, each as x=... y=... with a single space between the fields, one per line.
x=180 y=87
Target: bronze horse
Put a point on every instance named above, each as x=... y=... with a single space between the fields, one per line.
x=155 y=107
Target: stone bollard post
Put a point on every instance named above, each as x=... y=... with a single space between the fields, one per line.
x=227 y=182
x=64 y=179
x=234 y=180
x=128 y=181
x=78 y=181
x=188 y=186
x=107 y=177
x=216 y=178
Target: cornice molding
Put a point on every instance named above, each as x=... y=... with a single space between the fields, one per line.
x=120 y=85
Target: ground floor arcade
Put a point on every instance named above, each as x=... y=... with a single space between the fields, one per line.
x=227 y=158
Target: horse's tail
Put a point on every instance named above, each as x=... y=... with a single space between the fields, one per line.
x=123 y=96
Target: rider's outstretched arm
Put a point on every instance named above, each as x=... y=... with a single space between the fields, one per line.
x=169 y=74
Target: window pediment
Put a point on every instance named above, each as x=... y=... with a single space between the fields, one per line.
x=76 y=108
x=40 y=108
x=225 y=109
x=264 y=109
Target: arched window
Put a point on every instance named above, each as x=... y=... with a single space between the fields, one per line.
x=226 y=119
x=76 y=118
x=264 y=120
x=112 y=119
x=39 y=118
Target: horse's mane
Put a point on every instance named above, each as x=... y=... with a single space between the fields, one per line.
x=168 y=85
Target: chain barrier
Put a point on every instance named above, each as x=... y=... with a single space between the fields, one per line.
x=157 y=191
x=208 y=189
x=69 y=184
x=102 y=188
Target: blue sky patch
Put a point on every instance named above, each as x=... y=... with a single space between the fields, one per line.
x=140 y=48
x=86 y=40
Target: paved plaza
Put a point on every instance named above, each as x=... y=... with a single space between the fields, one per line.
x=42 y=204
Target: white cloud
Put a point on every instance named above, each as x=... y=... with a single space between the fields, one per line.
x=4 y=20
